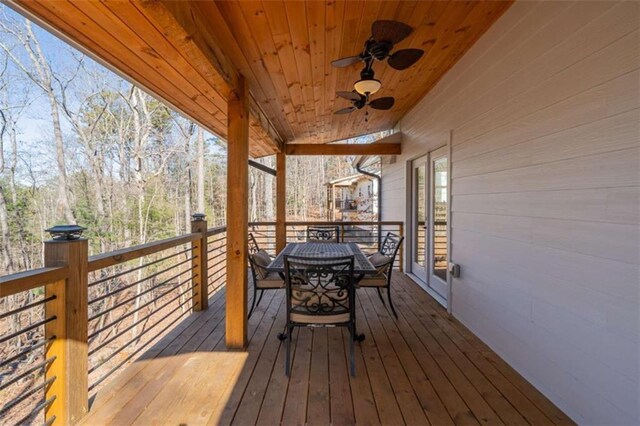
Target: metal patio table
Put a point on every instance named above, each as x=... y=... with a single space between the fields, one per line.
x=361 y=264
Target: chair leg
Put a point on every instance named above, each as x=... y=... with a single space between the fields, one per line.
x=352 y=331
x=283 y=335
x=391 y=303
x=287 y=365
x=260 y=298
x=253 y=302
x=380 y=295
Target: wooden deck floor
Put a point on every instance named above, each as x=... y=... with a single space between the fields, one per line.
x=423 y=368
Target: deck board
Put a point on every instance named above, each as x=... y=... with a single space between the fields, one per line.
x=423 y=368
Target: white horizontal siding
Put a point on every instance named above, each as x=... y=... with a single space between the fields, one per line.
x=545 y=114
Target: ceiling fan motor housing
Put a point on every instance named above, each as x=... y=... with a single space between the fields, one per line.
x=379 y=49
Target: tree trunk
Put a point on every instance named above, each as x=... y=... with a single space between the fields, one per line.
x=200 y=187
x=7 y=260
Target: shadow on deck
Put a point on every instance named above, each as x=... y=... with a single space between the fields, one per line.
x=422 y=368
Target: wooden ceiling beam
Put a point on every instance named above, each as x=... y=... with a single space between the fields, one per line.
x=343 y=149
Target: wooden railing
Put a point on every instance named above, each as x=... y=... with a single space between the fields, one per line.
x=368 y=235
x=76 y=323
x=68 y=328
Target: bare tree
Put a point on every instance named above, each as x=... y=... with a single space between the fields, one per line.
x=40 y=73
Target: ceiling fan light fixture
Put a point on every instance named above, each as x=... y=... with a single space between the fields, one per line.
x=367 y=86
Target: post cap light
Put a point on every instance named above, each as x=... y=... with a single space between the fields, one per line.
x=198 y=216
x=66 y=232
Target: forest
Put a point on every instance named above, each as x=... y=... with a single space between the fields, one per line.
x=79 y=144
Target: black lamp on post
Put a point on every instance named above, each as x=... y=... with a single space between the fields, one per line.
x=66 y=232
x=197 y=217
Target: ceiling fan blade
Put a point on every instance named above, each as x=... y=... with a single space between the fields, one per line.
x=403 y=59
x=382 y=103
x=391 y=31
x=352 y=96
x=345 y=62
x=346 y=110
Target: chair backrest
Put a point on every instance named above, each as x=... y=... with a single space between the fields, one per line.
x=323 y=234
x=320 y=289
x=391 y=245
x=253 y=244
x=259 y=261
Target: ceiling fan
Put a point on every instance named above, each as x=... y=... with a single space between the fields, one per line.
x=359 y=101
x=384 y=35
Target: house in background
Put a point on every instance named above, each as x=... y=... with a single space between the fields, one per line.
x=352 y=198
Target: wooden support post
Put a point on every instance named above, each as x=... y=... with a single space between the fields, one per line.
x=237 y=214
x=281 y=201
x=199 y=267
x=70 y=328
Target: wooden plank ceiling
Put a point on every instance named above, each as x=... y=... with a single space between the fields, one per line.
x=287 y=48
x=186 y=52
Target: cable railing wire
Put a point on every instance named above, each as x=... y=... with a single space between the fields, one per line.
x=121 y=348
x=28 y=306
x=216 y=264
x=128 y=314
x=136 y=268
x=26 y=329
x=28 y=371
x=28 y=350
x=217 y=255
x=101 y=379
x=141 y=320
x=124 y=302
x=17 y=400
x=147 y=278
x=43 y=405
x=217 y=240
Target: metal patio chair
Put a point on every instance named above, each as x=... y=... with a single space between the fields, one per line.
x=320 y=293
x=263 y=280
x=383 y=261
x=323 y=234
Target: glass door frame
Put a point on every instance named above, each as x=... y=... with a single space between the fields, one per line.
x=427 y=280
x=417 y=269
x=435 y=282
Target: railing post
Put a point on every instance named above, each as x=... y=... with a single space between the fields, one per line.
x=69 y=389
x=199 y=267
x=281 y=201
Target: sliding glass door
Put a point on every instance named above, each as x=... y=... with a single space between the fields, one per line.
x=429 y=235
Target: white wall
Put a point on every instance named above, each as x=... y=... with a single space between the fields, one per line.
x=545 y=197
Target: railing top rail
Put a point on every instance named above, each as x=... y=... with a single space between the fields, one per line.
x=216 y=230
x=116 y=257
x=28 y=280
x=351 y=223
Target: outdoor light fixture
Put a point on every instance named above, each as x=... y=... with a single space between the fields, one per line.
x=65 y=232
x=367 y=86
